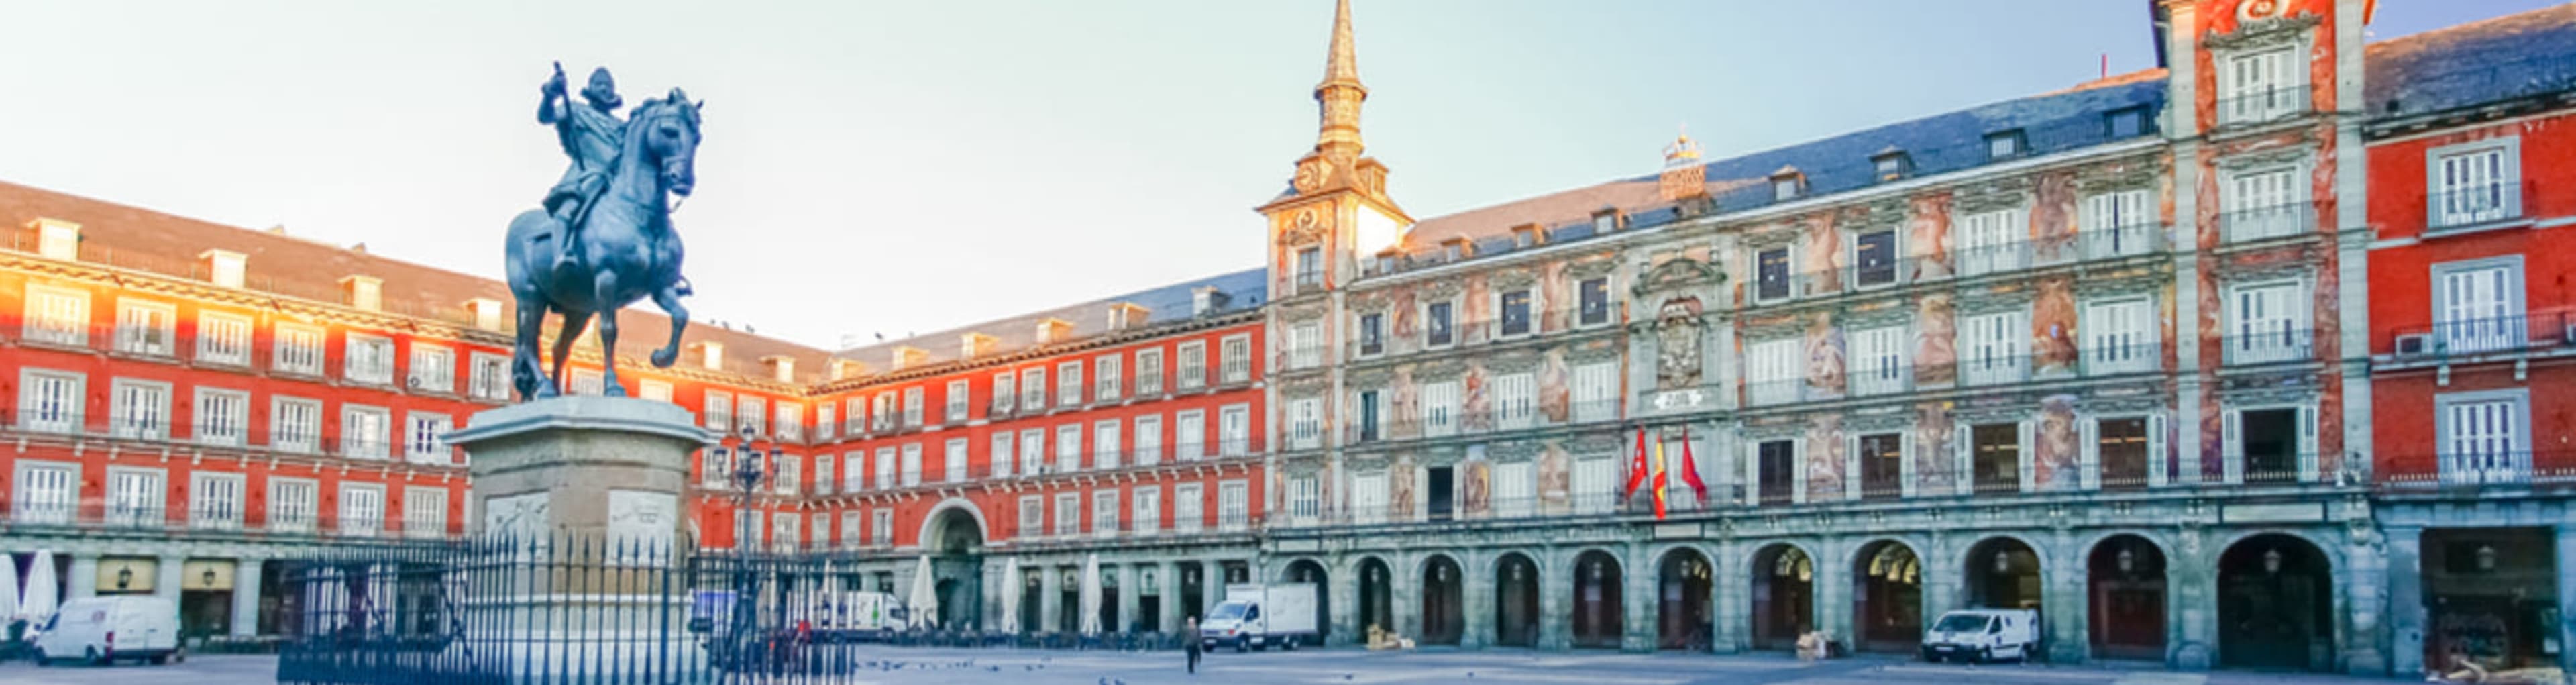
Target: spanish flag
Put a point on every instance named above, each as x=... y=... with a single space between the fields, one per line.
x=1661 y=476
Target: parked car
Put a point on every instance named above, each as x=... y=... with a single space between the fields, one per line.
x=1977 y=635
x=100 y=630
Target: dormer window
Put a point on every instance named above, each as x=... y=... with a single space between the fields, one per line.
x=1787 y=184
x=2128 y=122
x=1386 y=262
x=1605 y=222
x=1453 y=249
x=1525 y=237
x=2002 y=145
x=1891 y=165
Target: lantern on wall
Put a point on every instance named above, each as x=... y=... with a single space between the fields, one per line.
x=2272 y=561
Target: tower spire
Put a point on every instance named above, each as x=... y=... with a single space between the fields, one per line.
x=1340 y=93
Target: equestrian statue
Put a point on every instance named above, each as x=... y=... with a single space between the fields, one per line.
x=603 y=237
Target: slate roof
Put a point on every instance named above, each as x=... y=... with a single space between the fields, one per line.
x=1244 y=291
x=2472 y=64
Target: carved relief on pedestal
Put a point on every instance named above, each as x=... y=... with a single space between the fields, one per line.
x=640 y=523
x=519 y=517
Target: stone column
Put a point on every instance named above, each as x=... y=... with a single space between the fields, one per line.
x=246 y=582
x=1831 y=592
x=1050 y=608
x=2062 y=593
x=1167 y=606
x=2361 y=626
x=2406 y=616
x=1404 y=595
x=1731 y=601
x=2192 y=601
x=1640 y=599
x=84 y=580
x=1211 y=585
x=165 y=583
x=1342 y=584
x=1476 y=588
x=1129 y=589
x=1555 y=587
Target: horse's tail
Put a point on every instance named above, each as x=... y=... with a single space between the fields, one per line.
x=520 y=249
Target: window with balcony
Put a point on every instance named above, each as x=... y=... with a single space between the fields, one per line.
x=1191 y=358
x=2262 y=203
x=1990 y=242
x=789 y=419
x=1189 y=435
x=1515 y=489
x=1068 y=514
x=1516 y=313
x=1033 y=389
x=1305 y=345
x=912 y=465
x=1774 y=372
x=50 y=401
x=491 y=378
x=2267 y=323
x=2484 y=437
x=881 y=526
x=1068 y=384
x=1108 y=378
x=854 y=471
x=1878 y=361
x=1874 y=259
x=753 y=415
x=299 y=350
x=1104 y=513
x=2116 y=224
x=1515 y=401
x=1105 y=454
x=823 y=481
x=215 y=501
x=790 y=476
x=222 y=418
x=883 y=412
x=1995 y=458
x=1006 y=393
x=719 y=411
x=912 y=407
x=655 y=390
x=1596 y=392
x=1305 y=423
x=1594 y=485
x=1149 y=509
x=48 y=493
x=295 y=425
x=1189 y=507
x=1033 y=451
x=955 y=399
x=368 y=359
x=1068 y=448
x=2261 y=86
x=424 y=512
x=715 y=467
x=1995 y=347
x=1032 y=516
x=1882 y=465
x=1439 y=324
x=854 y=532
x=2122 y=452
x=1236 y=351
x=1233 y=504
x=147 y=328
x=2120 y=337
x=2270 y=444
x=1370 y=408
x=57 y=316
x=433 y=369
x=589 y=382
x=362 y=510
x=2477 y=306
x=424 y=444
x=1310 y=270
x=2474 y=183
x=1368 y=498
x=1372 y=334
x=1593 y=301
x=1000 y=453
x=1771 y=275
x=1149 y=439
x=1234 y=430
x=223 y=339
x=294 y=504
x=1775 y=471
x=139 y=410
x=134 y=497
x=1149 y=372
x=1439 y=409
x=365 y=432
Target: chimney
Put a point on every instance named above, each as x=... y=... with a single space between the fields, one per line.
x=486 y=311
x=907 y=356
x=364 y=292
x=711 y=355
x=972 y=345
x=1684 y=177
x=848 y=368
x=224 y=268
x=1206 y=300
x=782 y=368
x=1127 y=316
x=57 y=239
x=1054 y=330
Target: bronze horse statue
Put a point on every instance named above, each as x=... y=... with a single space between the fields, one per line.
x=628 y=250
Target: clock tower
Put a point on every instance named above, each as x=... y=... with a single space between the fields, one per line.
x=1336 y=207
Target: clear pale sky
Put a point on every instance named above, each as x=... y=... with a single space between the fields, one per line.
x=895 y=167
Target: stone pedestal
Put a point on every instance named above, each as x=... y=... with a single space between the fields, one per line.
x=595 y=468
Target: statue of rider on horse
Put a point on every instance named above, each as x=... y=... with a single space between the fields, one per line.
x=603 y=238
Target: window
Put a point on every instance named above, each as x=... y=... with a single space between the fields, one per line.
x=1033 y=390
x=295 y=425
x=1771 y=275
x=223 y=417
x=715 y=467
x=134 y=497
x=2266 y=323
x=1233 y=498
x=1515 y=401
x=1149 y=439
x=1192 y=361
x=854 y=471
x=1439 y=409
x=1189 y=434
x=824 y=421
x=1104 y=513
x=362 y=510
x=751 y=415
x=955 y=400
x=423 y=443
x=1305 y=423
x=1149 y=371
x=491 y=379
x=1000 y=453
x=1068 y=514
x=1995 y=457
x=881 y=526
x=2485 y=436
x=139 y=410
x=790 y=420
x=433 y=369
x=146 y=328
x=1785 y=187
x=2128 y=122
x=1305 y=498
x=293 y=504
x=215 y=501
x=823 y=474
x=1516 y=313
x=369 y=359
x=364 y=432
x=1595 y=485
x=1033 y=451
x=2271 y=444
x=1237 y=361
x=2477 y=305
x=790 y=474
x=2122 y=453
x=1593 y=296
x=588 y=382
x=2002 y=145
x=1149 y=509
x=1310 y=269
x=1104 y=445
x=1439 y=324
x=886 y=469
x=223 y=339
x=1189 y=502
x=953 y=461
x=1368 y=498
x=1305 y=345
x=2119 y=337
x=1068 y=384
x=2474 y=183
x=1989 y=242
x=719 y=412
x=912 y=465
x=1006 y=393
x=2116 y=224
x=1032 y=516
x=1524 y=236
x=1234 y=429
x=658 y=391
x=1515 y=489
x=1773 y=373
x=883 y=416
x=2262 y=204
x=854 y=533
x=1371 y=408
x=1994 y=349
x=1372 y=333
x=2261 y=86
x=1890 y=165
x=48 y=493
x=1068 y=448
x=299 y=350
x=1874 y=258
x=1882 y=465
x=1596 y=392
x=1604 y=223
x=56 y=316
x=1878 y=361
x=51 y=401
x=785 y=531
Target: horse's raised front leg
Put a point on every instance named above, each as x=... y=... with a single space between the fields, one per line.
x=526 y=371
x=573 y=323
x=668 y=298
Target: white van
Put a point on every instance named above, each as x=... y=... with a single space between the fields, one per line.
x=103 y=629
x=1978 y=635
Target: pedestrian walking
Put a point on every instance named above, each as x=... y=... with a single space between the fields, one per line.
x=1190 y=642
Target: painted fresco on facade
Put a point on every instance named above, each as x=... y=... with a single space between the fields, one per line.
x=1927 y=234
x=2052 y=218
x=2052 y=323
x=1824 y=457
x=1933 y=467
x=1824 y=354
x=2056 y=460
x=1936 y=336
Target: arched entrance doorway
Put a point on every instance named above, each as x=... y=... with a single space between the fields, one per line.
x=2275 y=605
x=1033 y=600
x=1515 y=601
x=1681 y=602
x=2003 y=573
x=1444 y=610
x=957 y=573
x=2125 y=599
x=1597 y=620
x=1312 y=572
x=1887 y=598
x=1783 y=596
x=1377 y=597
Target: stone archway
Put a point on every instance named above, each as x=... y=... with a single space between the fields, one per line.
x=1598 y=622
x=1377 y=597
x=1887 y=598
x=2003 y=573
x=1681 y=601
x=1444 y=605
x=1312 y=572
x=1515 y=601
x=1784 y=596
x=2276 y=604
x=2125 y=597
x=957 y=568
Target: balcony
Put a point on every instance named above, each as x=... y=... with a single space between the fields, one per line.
x=2472 y=206
x=92 y=516
x=1472 y=332
x=2492 y=335
x=2479 y=469
x=2264 y=106
x=1987 y=260
x=2272 y=221
x=2268 y=343
x=2114 y=360
x=1591 y=413
x=222 y=434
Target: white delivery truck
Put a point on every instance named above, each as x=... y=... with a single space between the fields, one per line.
x=1260 y=616
x=1976 y=635
x=858 y=615
x=103 y=629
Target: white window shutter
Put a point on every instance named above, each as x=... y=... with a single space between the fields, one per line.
x=2029 y=464
x=2308 y=444
x=1752 y=473
x=2157 y=460
x=2091 y=449
x=1798 y=471
x=2232 y=445
x=1851 y=466
x=1905 y=464
x=1963 y=475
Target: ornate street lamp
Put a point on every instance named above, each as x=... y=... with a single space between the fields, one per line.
x=748 y=474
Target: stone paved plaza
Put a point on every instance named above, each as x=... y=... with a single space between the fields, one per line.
x=1324 y=667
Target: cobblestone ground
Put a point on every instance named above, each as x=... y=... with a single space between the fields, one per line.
x=901 y=665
